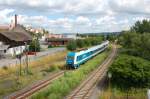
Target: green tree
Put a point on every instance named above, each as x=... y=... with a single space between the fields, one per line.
x=34 y=46
x=80 y=43
x=72 y=45
x=136 y=44
x=141 y=27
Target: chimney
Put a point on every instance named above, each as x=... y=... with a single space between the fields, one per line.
x=15 y=20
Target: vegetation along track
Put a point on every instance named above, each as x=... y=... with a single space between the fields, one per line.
x=85 y=89
x=23 y=94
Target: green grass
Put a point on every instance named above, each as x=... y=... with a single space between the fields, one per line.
x=116 y=93
x=61 y=87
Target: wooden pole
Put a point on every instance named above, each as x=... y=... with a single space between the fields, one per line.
x=26 y=58
x=20 y=66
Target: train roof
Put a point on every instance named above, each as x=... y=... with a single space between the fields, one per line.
x=92 y=48
x=87 y=50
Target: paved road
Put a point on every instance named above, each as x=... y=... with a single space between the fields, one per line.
x=9 y=62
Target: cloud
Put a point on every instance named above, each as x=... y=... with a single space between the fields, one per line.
x=4 y=14
x=130 y=6
x=76 y=15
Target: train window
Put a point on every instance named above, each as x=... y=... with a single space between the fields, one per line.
x=70 y=57
x=79 y=58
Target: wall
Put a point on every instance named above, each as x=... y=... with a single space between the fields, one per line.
x=15 y=50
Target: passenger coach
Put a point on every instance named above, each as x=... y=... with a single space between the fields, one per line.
x=75 y=59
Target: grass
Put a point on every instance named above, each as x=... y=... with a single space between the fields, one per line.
x=61 y=87
x=115 y=93
x=38 y=69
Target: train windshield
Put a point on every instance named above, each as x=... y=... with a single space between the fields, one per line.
x=70 y=57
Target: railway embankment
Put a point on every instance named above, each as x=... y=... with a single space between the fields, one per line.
x=71 y=79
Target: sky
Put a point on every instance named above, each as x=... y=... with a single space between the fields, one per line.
x=76 y=16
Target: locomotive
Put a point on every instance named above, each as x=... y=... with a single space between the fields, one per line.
x=75 y=59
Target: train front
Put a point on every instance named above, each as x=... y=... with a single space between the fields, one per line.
x=70 y=59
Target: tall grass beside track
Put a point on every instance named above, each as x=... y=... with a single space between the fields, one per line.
x=61 y=87
x=115 y=93
x=10 y=80
x=33 y=64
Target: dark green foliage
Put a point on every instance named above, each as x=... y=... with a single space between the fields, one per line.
x=80 y=43
x=111 y=37
x=137 y=40
x=129 y=71
x=141 y=27
x=72 y=45
x=136 y=44
x=34 y=46
x=86 y=42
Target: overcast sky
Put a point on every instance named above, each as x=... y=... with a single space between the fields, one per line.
x=71 y=16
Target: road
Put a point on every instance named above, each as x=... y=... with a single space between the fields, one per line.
x=9 y=62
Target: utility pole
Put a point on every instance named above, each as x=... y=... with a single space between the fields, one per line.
x=26 y=51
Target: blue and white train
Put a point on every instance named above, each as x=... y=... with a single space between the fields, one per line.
x=74 y=59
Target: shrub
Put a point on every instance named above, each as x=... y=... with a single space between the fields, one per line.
x=72 y=45
x=52 y=68
x=80 y=43
x=5 y=67
x=129 y=71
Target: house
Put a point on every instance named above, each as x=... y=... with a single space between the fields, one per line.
x=13 y=41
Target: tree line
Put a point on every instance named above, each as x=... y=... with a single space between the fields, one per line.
x=83 y=43
x=137 y=40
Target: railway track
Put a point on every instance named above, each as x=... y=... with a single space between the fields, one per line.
x=85 y=89
x=23 y=94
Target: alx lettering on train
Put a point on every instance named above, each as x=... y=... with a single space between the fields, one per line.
x=75 y=59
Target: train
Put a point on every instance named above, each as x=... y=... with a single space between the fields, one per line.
x=75 y=59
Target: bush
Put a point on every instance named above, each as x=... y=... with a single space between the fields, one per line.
x=129 y=71
x=80 y=43
x=72 y=45
x=52 y=68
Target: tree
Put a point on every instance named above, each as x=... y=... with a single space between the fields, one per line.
x=141 y=27
x=136 y=44
x=72 y=45
x=34 y=46
x=80 y=43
